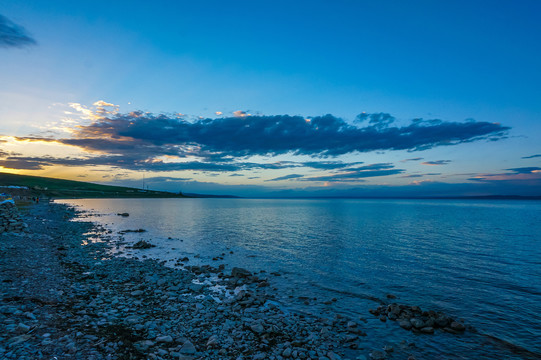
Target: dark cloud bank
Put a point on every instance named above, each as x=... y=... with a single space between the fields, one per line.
x=13 y=35
x=271 y=135
x=135 y=140
x=437 y=162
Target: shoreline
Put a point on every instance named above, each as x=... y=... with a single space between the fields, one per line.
x=66 y=300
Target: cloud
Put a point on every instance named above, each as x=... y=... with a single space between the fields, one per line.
x=531 y=156
x=166 y=179
x=522 y=176
x=379 y=120
x=412 y=176
x=359 y=173
x=329 y=165
x=422 y=182
x=22 y=164
x=13 y=35
x=437 y=162
x=412 y=159
x=280 y=134
x=133 y=162
x=419 y=175
x=103 y=103
x=378 y=166
x=526 y=170
x=239 y=113
x=286 y=177
x=140 y=140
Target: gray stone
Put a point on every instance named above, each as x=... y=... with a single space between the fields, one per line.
x=23 y=328
x=286 y=353
x=377 y=355
x=405 y=324
x=417 y=323
x=240 y=272
x=257 y=328
x=164 y=339
x=441 y=321
x=188 y=348
x=212 y=341
x=456 y=326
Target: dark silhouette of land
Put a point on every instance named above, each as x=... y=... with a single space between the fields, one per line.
x=59 y=188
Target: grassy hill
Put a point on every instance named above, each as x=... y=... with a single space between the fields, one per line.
x=58 y=188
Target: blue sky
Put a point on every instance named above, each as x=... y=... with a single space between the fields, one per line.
x=262 y=98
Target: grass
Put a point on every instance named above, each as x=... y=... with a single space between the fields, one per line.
x=59 y=188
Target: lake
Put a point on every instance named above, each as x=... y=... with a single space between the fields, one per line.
x=475 y=260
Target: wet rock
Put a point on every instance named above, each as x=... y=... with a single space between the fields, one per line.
x=456 y=326
x=405 y=324
x=238 y=272
x=441 y=321
x=417 y=323
x=132 y=231
x=142 y=244
x=377 y=355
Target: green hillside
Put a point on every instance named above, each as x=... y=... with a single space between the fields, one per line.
x=58 y=188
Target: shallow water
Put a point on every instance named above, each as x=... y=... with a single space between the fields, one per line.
x=476 y=260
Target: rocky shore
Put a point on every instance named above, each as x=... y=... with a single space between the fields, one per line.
x=64 y=297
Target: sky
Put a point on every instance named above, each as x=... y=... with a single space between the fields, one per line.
x=275 y=98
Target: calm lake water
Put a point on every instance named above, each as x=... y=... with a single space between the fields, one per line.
x=476 y=260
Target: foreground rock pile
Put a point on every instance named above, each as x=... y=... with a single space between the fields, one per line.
x=415 y=319
x=10 y=219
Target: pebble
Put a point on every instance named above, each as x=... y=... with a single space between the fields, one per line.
x=164 y=339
